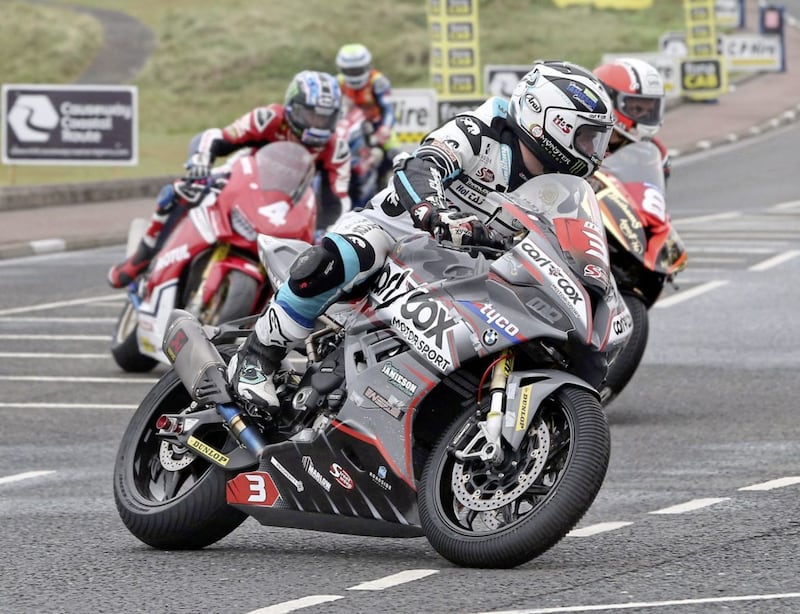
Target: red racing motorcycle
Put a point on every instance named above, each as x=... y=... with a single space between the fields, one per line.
x=645 y=249
x=209 y=265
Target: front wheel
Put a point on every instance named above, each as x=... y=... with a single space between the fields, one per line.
x=621 y=371
x=125 y=345
x=477 y=514
x=167 y=496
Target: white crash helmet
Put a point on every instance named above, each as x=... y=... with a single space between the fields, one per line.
x=562 y=113
x=354 y=62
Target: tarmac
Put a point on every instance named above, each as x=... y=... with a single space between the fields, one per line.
x=36 y=220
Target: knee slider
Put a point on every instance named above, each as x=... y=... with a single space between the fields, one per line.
x=317 y=270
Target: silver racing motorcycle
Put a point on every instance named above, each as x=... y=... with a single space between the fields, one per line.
x=457 y=399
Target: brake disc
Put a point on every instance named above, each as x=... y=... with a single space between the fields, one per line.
x=174 y=458
x=508 y=486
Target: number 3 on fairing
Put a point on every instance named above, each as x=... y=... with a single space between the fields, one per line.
x=258 y=488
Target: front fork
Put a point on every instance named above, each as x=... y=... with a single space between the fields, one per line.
x=489 y=430
x=197 y=300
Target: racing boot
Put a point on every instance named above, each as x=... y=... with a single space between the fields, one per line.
x=251 y=370
x=120 y=275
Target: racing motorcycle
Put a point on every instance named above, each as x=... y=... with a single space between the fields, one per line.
x=209 y=264
x=645 y=249
x=456 y=400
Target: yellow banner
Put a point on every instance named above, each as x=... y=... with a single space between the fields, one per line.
x=618 y=5
x=455 y=48
x=703 y=71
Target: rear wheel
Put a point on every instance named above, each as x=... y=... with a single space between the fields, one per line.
x=477 y=514
x=125 y=346
x=167 y=496
x=627 y=361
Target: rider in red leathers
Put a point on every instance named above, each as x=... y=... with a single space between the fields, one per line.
x=308 y=116
x=637 y=91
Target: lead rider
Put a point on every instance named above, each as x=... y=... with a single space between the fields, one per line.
x=557 y=120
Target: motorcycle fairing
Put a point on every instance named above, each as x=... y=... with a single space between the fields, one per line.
x=343 y=472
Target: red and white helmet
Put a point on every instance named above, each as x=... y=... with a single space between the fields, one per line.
x=637 y=91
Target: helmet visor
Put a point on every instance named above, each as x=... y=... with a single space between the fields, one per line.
x=646 y=110
x=358 y=71
x=592 y=140
x=309 y=117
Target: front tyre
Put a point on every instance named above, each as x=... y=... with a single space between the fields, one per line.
x=476 y=514
x=168 y=497
x=125 y=345
x=627 y=361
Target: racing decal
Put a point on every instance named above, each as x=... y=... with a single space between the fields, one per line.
x=653 y=202
x=424 y=323
x=207 y=451
x=285 y=472
x=262 y=117
x=621 y=327
x=558 y=280
x=391 y=283
x=177 y=254
x=341 y=476
x=320 y=479
x=253 y=488
x=176 y=344
x=393 y=409
x=398 y=380
x=342 y=152
x=524 y=406
x=562 y=124
x=489 y=337
x=379 y=478
x=495 y=319
x=485 y=174
x=582 y=95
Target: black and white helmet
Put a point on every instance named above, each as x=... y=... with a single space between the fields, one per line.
x=562 y=113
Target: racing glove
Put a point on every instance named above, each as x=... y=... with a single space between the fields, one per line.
x=199 y=165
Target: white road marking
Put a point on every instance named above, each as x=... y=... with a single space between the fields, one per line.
x=57 y=337
x=37 y=320
x=647 y=604
x=399 y=578
x=772 y=484
x=65 y=406
x=722 y=249
x=24 y=476
x=707 y=218
x=594 y=529
x=690 y=506
x=685 y=295
x=296 y=604
x=775 y=260
x=792 y=204
x=104 y=355
x=76 y=379
x=59 y=304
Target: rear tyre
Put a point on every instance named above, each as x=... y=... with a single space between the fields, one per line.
x=168 y=497
x=476 y=514
x=627 y=361
x=125 y=346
